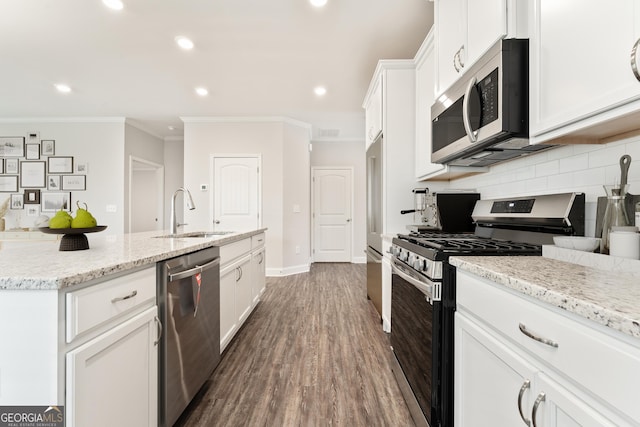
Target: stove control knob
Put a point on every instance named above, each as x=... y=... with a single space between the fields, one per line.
x=404 y=255
x=396 y=251
x=418 y=264
x=412 y=259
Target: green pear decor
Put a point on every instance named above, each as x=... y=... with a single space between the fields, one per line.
x=83 y=218
x=61 y=219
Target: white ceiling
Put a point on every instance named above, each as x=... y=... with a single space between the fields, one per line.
x=256 y=57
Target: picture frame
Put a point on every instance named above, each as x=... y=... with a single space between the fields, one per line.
x=8 y=183
x=53 y=182
x=48 y=147
x=11 y=166
x=11 y=146
x=32 y=152
x=33 y=210
x=52 y=202
x=31 y=197
x=32 y=174
x=17 y=202
x=74 y=182
x=60 y=164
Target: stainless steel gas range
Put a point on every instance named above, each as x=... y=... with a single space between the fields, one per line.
x=423 y=288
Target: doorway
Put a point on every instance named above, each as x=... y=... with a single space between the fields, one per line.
x=146 y=192
x=236 y=192
x=332 y=198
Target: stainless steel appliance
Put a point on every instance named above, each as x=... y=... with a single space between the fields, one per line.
x=374 y=223
x=484 y=117
x=189 y=309
x=446 y=211
x=423 y=289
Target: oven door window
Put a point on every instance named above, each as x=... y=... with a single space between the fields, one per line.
x=411 y=338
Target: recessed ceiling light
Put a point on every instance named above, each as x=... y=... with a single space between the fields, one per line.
x=202 y=91
x=184 y=42
x=171 y=127
x=63 y=88
x=320 y=90
x=318 y=3
x=113 y=4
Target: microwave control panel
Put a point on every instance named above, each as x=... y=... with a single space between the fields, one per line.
x=488 y=91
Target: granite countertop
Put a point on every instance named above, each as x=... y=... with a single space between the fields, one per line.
x=609 y=298
x=41 y=266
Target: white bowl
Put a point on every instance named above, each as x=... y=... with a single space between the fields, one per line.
x=578 y=243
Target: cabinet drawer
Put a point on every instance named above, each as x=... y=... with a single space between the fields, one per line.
x=96 y=305
x=233 y=250
x=602 y=365
x=257 y=241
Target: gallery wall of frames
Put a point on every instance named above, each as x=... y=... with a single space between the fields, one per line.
x=36 y=176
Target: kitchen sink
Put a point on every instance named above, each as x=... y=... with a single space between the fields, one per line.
x=195 y=234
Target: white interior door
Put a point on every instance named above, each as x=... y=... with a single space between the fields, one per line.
x=332 y=222
x=146 y=189
x=236 y=189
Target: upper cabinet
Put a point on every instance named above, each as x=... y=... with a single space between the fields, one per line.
x=373 y=110
x=583 y=82
x=466 y=29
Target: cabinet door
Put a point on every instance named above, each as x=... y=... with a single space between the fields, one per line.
x=259 y=278
x=486 y=24
x=228 y=319
x=492 y=383
x=561 y=408
x=112 y=380
x=581 y=66
x=373 y=112
x=450 y=19
x=244 y=283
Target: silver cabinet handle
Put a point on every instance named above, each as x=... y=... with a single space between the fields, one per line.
x=533 y=336
x=524 y=388
x=534 y=411
x=159 y=323
x=261 y=258
x=456 y=59
x=193 y=271
x=634 y=60
x=131 y=295
x=473 y=135
x=460 y=52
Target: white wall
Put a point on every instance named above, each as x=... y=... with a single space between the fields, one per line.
x=173 y=177
x=350 y=154
x=97 y=142
x=579 y=168
x=205 y=137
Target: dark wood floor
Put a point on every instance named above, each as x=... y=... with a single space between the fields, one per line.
x=312 y=354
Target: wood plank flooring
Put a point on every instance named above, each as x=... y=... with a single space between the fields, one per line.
x=312 y=354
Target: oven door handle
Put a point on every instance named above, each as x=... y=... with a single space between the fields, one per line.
x=424 y=285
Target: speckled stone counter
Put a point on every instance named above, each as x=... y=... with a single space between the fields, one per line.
x=40 y=265
x=609 y=298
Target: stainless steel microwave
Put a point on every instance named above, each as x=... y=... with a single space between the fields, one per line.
x=484 y=117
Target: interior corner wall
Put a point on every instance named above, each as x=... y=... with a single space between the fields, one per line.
x=99 y=145
x=203 y=139
x=296 y=199
x=144 y=146
x=173 y=178
x=349 y=154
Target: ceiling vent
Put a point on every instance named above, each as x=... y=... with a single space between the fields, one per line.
x=328 y=133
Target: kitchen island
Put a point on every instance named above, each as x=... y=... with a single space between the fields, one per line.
x=557 y=343
x=80 y=328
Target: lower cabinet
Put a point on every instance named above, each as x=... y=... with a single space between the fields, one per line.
x=259 y=267
x=505 y=375
x=112 y=379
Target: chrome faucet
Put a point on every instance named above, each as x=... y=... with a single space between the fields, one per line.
x=190 y=205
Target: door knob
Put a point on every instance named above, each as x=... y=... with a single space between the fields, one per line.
x=348 y=219
x=216 y=222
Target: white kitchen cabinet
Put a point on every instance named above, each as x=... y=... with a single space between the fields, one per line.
x=242 y=281
x=373 y=112
x=113 y=379
x=466 y=29
x=582 y=83
x=582 y=376
x=425 y=87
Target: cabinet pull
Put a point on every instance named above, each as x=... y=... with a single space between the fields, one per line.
x=524 y=388
x=634 y=60
x=131 y=295
x=456 y=59
x=261 y=258
x=534 y=411
x=460 y=52
x=533 y=336
x=159 y=324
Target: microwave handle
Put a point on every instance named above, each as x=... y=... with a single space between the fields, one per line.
x=473 y=135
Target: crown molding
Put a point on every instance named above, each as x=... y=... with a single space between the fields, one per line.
x=143 y=128
x=62 y=119
x=246 y=119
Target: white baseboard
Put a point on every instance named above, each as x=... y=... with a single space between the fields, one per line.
x=288 y=271
x=359 y=260
x=386 y=324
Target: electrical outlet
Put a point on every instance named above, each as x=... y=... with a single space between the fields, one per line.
x=112 y=208
x=297 y=249
x=204 y=187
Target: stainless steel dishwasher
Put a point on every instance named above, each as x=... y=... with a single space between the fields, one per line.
x=189 y=308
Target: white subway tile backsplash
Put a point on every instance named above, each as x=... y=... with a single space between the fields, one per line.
x=574 y=162
x=607 y=155
x=548 y=168
x=561 y=182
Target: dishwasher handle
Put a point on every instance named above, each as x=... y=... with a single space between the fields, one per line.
x=195 y=270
